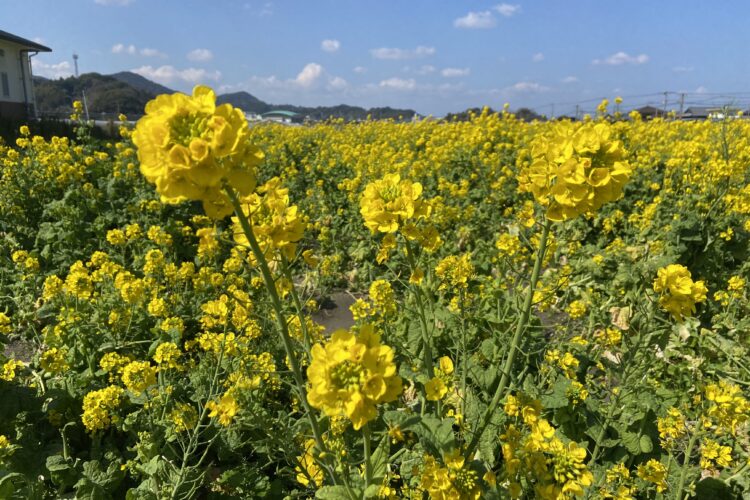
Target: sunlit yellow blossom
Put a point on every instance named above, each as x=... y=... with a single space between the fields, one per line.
x=224 y=410
x=351 y=374
x=390 y=202
x=576 y=168
x=188 y=146
x=678 y=292
x=98 y=407
x=138 y=376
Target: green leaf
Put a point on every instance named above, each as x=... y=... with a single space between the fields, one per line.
x=335 y=493
x=380 y=458
x=632 y=441
x=713 y=489
x=558 y=398
x=646 y=444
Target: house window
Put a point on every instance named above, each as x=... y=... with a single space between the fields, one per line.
x=6 y=87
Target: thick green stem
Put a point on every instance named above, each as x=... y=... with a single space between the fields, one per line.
x=514 y=345
x=368 y=454
x=686 y=465
x=426 y=340
x=281 y=319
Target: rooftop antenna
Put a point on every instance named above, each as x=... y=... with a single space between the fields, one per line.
x=83 y=92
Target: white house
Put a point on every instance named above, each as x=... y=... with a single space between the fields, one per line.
x=16 y=87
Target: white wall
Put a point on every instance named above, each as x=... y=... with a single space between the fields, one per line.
x=10 y=64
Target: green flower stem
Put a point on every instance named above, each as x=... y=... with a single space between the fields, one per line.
x=298 y=306
x=368 y=454
x=426 y=338
x=686 y=464
x=514 y=345
x=283 y=328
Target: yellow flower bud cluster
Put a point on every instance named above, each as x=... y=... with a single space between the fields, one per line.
x=678 y=292
x=188 y=146
x=351 y=374
x=98 y=407
x=576 y=169
x=276 y=224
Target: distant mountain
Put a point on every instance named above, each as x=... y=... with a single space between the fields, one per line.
x=105 y=96
x=246 y=102
x=141 y=83
x=251 y=104
x=128 y=93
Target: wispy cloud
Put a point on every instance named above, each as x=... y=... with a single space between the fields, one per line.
x=683 y=69
x=360 y=70
x=402 y=54
x=455 y=72
x=200 y=55
x=396 y=83
x=538 y=57
x=621 y=58
x=476 y=21
x=330 y=45
x=570 y=79
x=507 y=10
x=130 y=49
x=169 y=74
x=528 y=87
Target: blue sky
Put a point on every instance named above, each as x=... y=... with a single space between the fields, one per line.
x=434 y=56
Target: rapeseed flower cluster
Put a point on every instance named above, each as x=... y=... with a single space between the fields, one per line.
x=188 y=146
x=351 y=374
x=678 y=293
x=576 y=169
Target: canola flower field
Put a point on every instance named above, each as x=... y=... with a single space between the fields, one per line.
x=545 y=310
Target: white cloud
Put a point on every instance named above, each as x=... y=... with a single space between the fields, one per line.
x=309 y=75
x=169 y=74
x=701 y=90
x=426 y=69
x=398 y=84
x=621 y=58
x=683 y=69
x=120 y=48
x=507 y=10
x=455 y=72
x=529 y=87
x=476 y=21
x=117 y=3
x=401 y=54
x=330 y=45
x=570 y=79
x=360 y=70
x=337 y=83
x=147 y=52
x=60 y=70
x=312 y=78
x=538 y=57
x=200 y=55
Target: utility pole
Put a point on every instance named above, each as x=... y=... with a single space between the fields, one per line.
x=578 y=110
x=682 y=103
x=553 y=110
x=665 y=104
x=83 y=92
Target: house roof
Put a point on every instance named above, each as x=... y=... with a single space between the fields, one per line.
x=10 y=37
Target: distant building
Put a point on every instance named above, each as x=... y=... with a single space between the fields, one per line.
x=16 y=88
x=709 y=112
x=650 y=112
x=282 y=116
